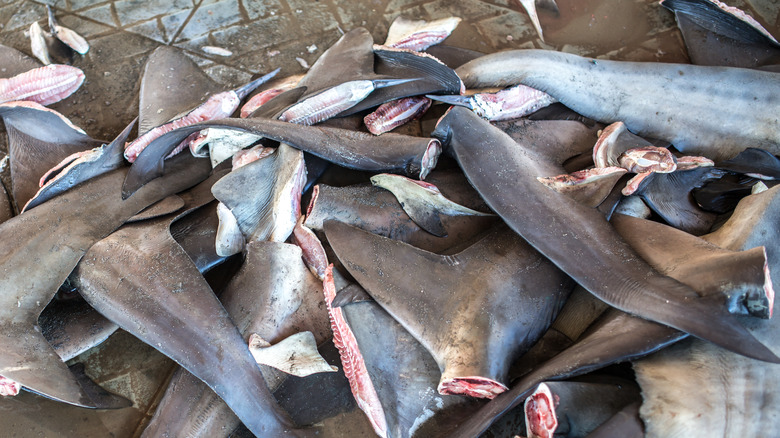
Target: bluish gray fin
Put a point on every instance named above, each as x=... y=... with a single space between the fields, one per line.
x=722 y=195
x=171 y=84
x=668 y=195
x=753 y=161
x=435 y=78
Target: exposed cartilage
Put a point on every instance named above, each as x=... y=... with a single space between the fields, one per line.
x=589 y=186
x=296 y=355
x=44 y=85
x=38 y=43
x=648 y=159
x=478 y=387
x=334 y=100
x=352 y=361
x=508 y=104
x=540 y=418
x=691 y=162
x=391 y=115
x=67 y=36
x=218 y=106
x=229 y=239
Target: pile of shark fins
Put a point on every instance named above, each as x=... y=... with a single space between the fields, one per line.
x=503 y=293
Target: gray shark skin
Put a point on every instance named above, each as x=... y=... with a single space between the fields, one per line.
x=57 y=235
x=352 y=149
x=607 y=91
x=617 y=336
x=38 y=139
x=172 y=308
x=273 y=295
x=403 y=373
x=505 y=175
x=459 y=306
x=714 y=392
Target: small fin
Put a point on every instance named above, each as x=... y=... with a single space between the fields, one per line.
x=708 y=15
x=350 y=294
x=101 y=398
x=296 y=355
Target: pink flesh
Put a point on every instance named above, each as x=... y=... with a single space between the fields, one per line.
x=580 y=176
x=540 y=415
x=244 y=157
x=474 y=386
x=313 y=253
x=648 y=159
x=44 y=85
x=218 y=106
x=633 y=184
x=352 y=361
x=421 y=40
x=259 y=100
x=511 y=103
x=690 y=162
x=8 y=387
x=425 y=185
x=391 y=115
x=315 y=192
x=600 y=149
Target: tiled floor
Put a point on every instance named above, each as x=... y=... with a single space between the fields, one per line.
x=264 y=35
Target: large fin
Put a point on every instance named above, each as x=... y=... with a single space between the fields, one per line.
x=434 y=297
x=507 y=181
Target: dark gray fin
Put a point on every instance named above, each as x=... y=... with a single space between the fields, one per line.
x=352 y=149
x=196 y=233
x=757 y=163
x=171 y=84
x=264 y=195
x=15 y=62
x=38 y=139
x=708 y=15
x=625 y=423
x=464 y=101
x=436 y=290
x=83 y=216
x=349 y=295
x=105 y=159
x=433 y=77
x=507 y=181
x=451 y=56
x=669 y=196
x=163 y=207
x=404 y=374
x=377 y=211
x=273 y=295
x=618 y=336
x=274 y=107
x=722 y=195
x=559 y=140
x=348 y=59
x=102 y=398
x=72 y=327
x=609 y=205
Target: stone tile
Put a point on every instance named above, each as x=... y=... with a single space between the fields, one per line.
x=256 y=9
x=101 y=14
x=172 y=23
x=766 y=11
x=77 y=5
x=202 y=62
x=211 y=16
x=315 y=18
x=395 y=7
x=261 y=33
x=465 y=9
x=229 y=76
x=85 y=28
x=25 y=15
x=6 y=12
x=150 y=29
x=131 y=11
x=506 y=31
x=117 y=46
